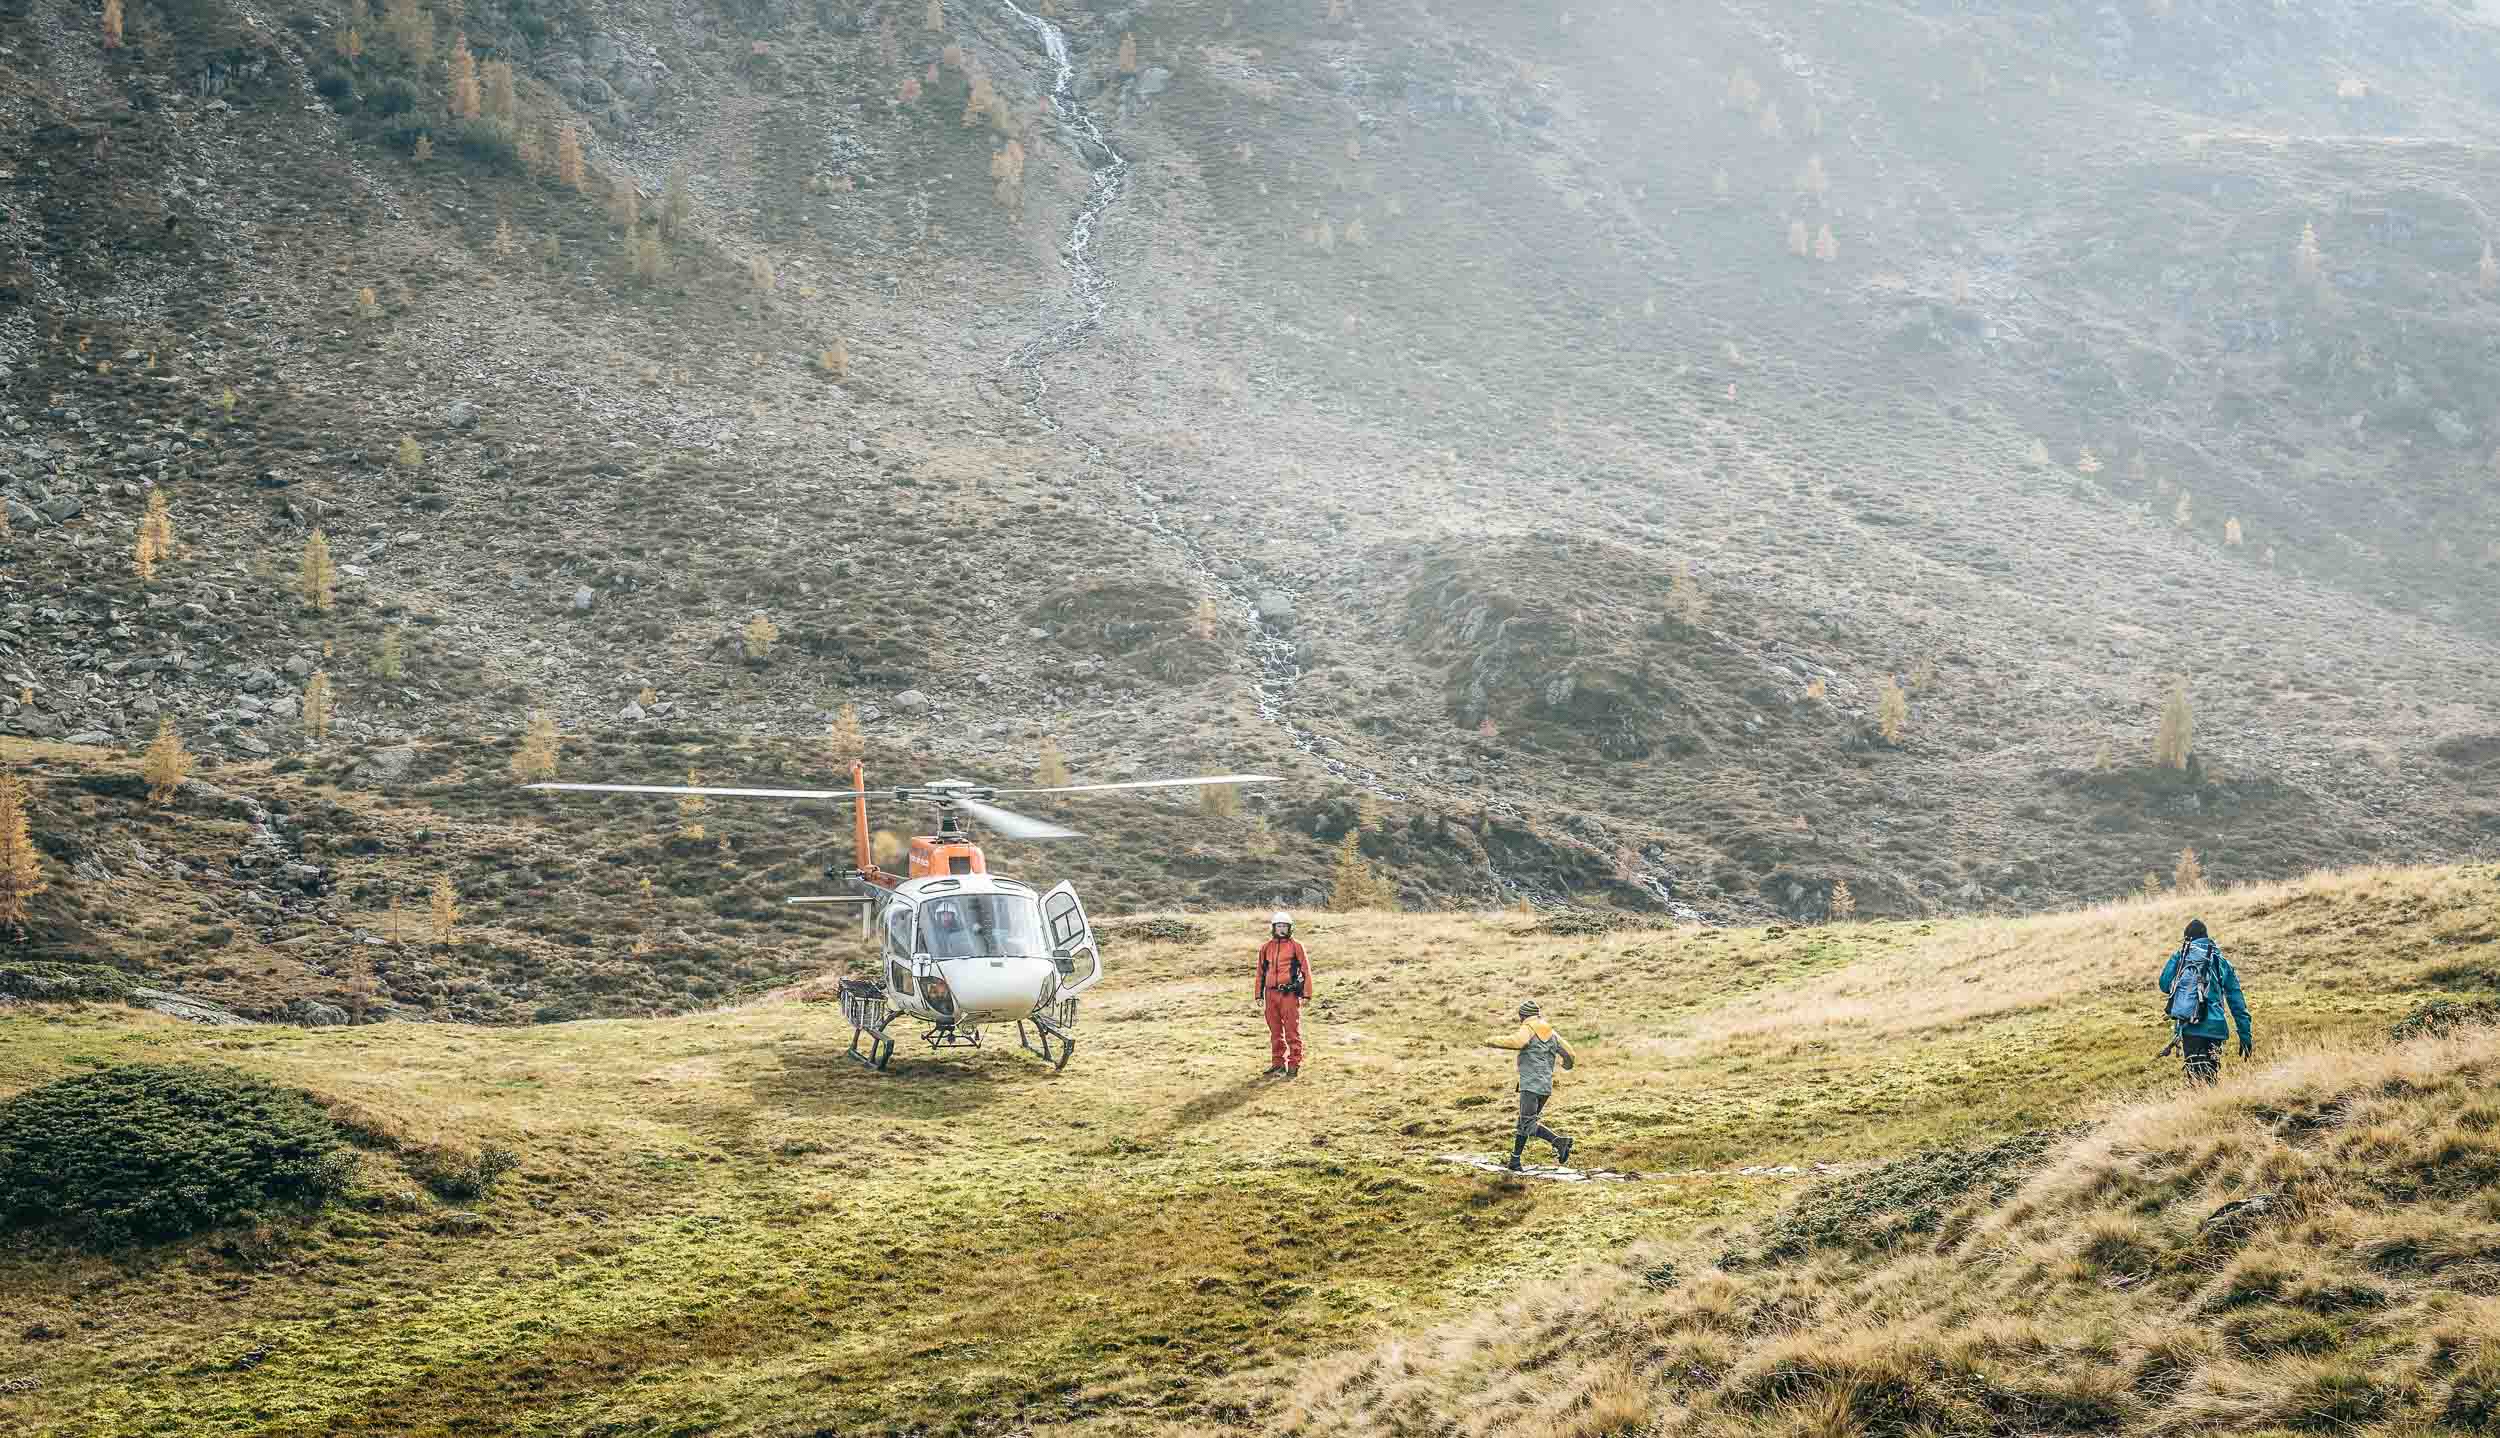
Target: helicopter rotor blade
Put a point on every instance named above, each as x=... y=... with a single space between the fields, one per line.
x=703 y=789
x=1008 y=824
x=1148 y=784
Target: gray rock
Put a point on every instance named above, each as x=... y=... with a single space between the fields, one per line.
x=35 y=724
x=259 y=680
x=911 y=701
x=308 y=877
x=314 y=1015
x=595 y=92
x=386 y=766
x=189 y=1010
x=60 y=508
x=583 y=598
x=299 y=668
x=22 y=518
x=462 y=415
x=1154 y=80
x=632 y=712
x=90 y=737
x=601 y=50
x=248 y=744
x=1276 y=609
x=1037 y=633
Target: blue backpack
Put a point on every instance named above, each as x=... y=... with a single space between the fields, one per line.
x=2192 y=991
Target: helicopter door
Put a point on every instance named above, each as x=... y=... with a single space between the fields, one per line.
x=899 y=969
x=1072 y=945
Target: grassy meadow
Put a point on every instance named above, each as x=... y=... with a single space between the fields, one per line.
x=719 y=1224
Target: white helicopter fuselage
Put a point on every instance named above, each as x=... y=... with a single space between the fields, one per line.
x=965 y=950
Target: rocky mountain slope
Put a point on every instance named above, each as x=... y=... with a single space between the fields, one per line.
x=1558 y=424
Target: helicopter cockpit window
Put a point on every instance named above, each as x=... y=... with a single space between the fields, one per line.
x=968 y=926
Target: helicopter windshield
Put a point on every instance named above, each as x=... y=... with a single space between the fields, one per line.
x=982 y=926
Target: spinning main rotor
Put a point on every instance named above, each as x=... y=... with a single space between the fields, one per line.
x=951 y=796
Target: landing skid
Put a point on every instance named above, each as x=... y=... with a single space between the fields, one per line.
x=1039 y=1042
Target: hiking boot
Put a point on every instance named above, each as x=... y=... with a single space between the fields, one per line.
x=1293 y=1070
x=1513 y=1165
x=1273 y=1071
x=1562 y=1151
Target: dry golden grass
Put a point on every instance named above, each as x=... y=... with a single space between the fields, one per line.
x=2112 y=1292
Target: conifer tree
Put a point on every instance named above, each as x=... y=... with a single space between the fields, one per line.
x=1128 y=54
x=112 y=24
x=1892 y=711
x=467 y=101
x=2189 y=876
x=2175 y=739
x=844 y=742
x=535 y=760
x=1354 y=885
x=760 y=634
x=503 y=99
x=676 y=206
x=446 y=911
x=625 y=204
x=2306 y=262
x=1050 y=771
x=21 y=869
x=166 y=764
x=690 y=810
x=1844 y=903
x=569 y=157
x=316 y=576
x=317 y=706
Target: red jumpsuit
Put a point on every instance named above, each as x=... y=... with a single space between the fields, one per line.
x=1284 y=976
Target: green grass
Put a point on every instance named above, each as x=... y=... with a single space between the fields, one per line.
x=719 y=1224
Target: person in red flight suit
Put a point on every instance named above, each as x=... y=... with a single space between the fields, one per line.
x=1284 y=981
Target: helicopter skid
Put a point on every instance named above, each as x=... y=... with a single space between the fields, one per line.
x=1046 y=1031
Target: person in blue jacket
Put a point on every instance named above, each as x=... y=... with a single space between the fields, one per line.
x=2200 y=962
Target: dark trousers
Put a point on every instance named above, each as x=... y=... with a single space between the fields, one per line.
x=1530 y=1106
x=2204 y=1058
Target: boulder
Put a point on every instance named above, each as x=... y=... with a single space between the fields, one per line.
x=583 y=599
x=313 y=1015
x=385 y=766
x=60 y=508
x=1153 y=81
x=911 y=701
x=1276 y=609
x=631 y=713
x=461 y=415
x=189 y=1010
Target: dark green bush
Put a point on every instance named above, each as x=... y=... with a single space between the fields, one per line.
x=334 y=85
x=152 y=1151
x=397 y=96
x=485 y=142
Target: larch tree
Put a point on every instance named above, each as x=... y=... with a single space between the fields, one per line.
x=1128 y=54
x=503 y=98
x=166 y=764
x=1892 y=711
x=844 y=743
x=467 y=100
x=445 y=904
x=2189 y=876
x=2175 y=738
x=2306 y=261
x=1844 y=903
x=1050 y=770
x=21 y=869
x=569 y=156
x=535 y=760
x=112 y=24
x=316 y=576
x=317 y=706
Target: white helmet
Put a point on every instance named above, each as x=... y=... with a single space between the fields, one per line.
x=1280 y=917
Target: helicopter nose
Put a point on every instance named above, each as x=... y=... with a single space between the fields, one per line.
x=998 y=990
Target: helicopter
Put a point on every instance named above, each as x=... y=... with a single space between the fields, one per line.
x=961 y=947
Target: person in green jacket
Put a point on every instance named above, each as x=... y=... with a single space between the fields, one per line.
x=1538 y=1046
x=2216 y=986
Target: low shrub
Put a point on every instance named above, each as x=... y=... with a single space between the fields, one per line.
x=141 y=1152
x=458 y=1171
